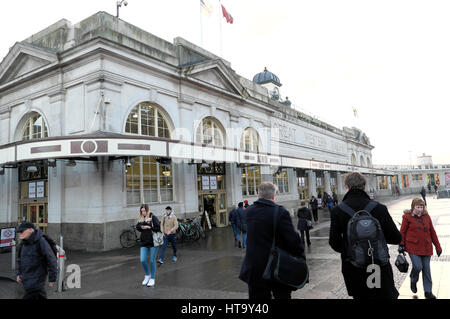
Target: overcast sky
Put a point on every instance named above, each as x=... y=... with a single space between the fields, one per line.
x=388 y=59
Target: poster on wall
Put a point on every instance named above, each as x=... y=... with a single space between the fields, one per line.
x=213 y=182
x=40 y=189
x=205 y=182
x=32 y=190
x=447 y=180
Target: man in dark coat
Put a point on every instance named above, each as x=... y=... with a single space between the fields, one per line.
x=423 y=192
x=259 y=243
x=356 y=278
x=314 y=206
x=232 y=220
x=35 y=260
x=304 y=215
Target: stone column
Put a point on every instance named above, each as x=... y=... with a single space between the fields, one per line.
x=340 y=184
x=327 y=181
x=389 y=183
x=312 y=183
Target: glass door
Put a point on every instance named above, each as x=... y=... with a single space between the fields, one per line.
x=222 y=216
x=35 y=213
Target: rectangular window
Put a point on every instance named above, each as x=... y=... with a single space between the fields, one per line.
x=281 y=179
x=302 y=182
x=157 y=181
x=251 y=178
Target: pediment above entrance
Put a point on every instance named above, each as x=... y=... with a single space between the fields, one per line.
x=214 y=74
x=24 y=59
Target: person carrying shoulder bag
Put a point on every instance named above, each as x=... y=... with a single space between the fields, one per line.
x=148 y=224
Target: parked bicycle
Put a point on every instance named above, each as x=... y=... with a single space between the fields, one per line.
x=129 y=238
x=190 y=230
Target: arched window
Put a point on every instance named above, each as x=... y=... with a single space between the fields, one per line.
x=147 y=180
x=368 y=162
x=34 y=128
x=250 y=140
x=147 y=119
x=361 y=161
x=211 y=132
x=353 y=159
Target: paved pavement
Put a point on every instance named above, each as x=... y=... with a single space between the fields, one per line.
x=208 y=269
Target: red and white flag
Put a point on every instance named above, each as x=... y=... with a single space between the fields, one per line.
x=226 y=15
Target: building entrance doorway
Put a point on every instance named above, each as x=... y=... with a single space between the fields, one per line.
x=215 y=205
x=37 y=213
x=212 y=196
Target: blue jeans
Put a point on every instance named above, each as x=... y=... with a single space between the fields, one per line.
x=173 y=239
x=235 y=231
x=144 y=254
x=244 y=238
x=421 y=264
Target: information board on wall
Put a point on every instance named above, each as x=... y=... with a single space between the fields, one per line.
x=31 y=190
x=205 y=182
x=213 y=182
x=40 y=189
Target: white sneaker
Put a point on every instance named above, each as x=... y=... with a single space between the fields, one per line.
x=146 y=279
x=151 y=282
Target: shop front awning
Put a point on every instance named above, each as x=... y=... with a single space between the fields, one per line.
x=115 y=146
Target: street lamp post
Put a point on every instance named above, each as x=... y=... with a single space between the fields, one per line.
x=119 y=4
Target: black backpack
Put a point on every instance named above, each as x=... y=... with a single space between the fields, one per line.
x=49 y=240
x=365 y=238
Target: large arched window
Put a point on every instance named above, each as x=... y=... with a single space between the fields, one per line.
x=368 y=162
x=211 y=132
x=147 y=180
x=35 y=128
x=353 y=159
x=250 y=140
x=361 y=161
x=147 y=119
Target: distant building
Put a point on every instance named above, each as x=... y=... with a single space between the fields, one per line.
x=411 y=178
x=99 y=117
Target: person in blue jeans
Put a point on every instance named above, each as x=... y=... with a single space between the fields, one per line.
x=241 y=225
x=169 y=226
x=147 y=224
x=232 y=221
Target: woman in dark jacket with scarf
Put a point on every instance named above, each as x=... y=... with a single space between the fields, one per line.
x=418 y=237
x=147 y=224
x=304 y=215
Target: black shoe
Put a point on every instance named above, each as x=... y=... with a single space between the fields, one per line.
x=309 y=244
x=239 y=245
x=413 y=287
x=429 y=295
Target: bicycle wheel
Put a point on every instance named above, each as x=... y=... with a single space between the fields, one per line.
x=201 y=231
x=193 y=233
x=128 y=239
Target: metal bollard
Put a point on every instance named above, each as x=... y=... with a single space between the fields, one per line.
x=61 y=259
x=13 y=254
x=61 y=263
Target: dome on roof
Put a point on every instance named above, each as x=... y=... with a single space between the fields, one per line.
x=266 y=77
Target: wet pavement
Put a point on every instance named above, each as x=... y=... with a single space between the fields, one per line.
x=209 y=269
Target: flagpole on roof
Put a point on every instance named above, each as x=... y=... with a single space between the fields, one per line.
x=220 y=21
x=201 y=25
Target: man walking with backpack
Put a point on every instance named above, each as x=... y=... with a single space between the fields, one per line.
x=35 y=260
x=362 y=241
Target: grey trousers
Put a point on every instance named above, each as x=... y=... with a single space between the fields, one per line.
x=421 y=264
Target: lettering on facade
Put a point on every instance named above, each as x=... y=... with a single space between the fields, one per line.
x=285 y=133
x=315 y=140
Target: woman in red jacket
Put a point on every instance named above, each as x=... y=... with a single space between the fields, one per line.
x=418 y=235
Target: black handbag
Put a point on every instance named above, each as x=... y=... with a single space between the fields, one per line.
x=401 y=263
x=284 y=268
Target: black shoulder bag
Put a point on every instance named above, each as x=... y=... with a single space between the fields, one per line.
x=284 y=268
